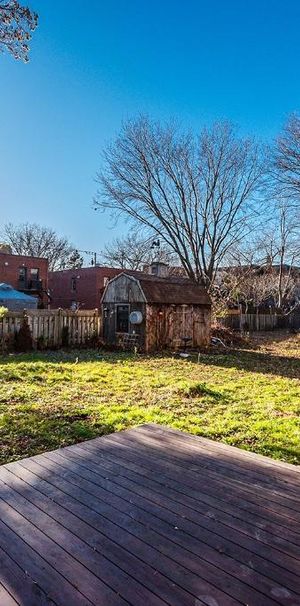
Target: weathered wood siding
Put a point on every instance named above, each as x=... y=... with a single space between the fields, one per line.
x=163 y=326
x=123 y=291
x=48 y=326
x=109 y=314
x=166 y=325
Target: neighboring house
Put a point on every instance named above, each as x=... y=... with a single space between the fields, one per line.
x=26 y=274
x=14 y=300
x=155 y=313
x=79 y=288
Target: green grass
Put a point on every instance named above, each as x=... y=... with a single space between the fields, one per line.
x=248 y=398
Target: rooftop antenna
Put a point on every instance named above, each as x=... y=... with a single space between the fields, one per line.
x=155 y=246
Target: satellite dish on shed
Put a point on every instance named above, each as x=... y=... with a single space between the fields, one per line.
x=136 y=317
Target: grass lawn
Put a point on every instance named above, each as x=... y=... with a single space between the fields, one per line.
x=248 y=398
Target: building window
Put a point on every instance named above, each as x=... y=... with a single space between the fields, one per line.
x=34 y=273
x=154 y=270
x=73 y=284
x=22 y=276
x=122 y=318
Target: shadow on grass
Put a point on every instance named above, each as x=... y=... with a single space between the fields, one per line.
x=249 y=360
x=254 y=361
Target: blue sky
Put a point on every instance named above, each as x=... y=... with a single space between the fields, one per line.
x=93 y=63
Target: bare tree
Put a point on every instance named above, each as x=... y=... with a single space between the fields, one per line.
x=266 y=272
x=196 y=193
x=286 y=159
x=282 y=248
x=75 y=261
x=38 y=241
x=16 y=24
x=133 y=251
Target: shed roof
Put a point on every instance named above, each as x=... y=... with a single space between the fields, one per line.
x=171 y=290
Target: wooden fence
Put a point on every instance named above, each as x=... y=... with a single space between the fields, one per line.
x=260 y=322
x=53 y=328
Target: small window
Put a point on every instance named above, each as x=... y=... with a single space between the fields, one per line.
x=154 y=269
x=122 y=319
x=73 y=284
x=22 y=274
x=34 y=272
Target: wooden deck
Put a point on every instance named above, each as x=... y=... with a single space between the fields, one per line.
x=148 y=517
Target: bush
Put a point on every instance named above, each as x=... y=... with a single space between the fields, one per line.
x=3 y=311
x=65 y=336
x=23 y=338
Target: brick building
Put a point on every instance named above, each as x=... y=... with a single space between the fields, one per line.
x=79 y=288
x=26 y=274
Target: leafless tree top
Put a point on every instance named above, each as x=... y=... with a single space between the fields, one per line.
x=198 y=193
x=287 y=158
x=16 y=24
x=38 y=241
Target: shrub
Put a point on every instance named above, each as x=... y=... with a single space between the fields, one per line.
x=3 y=311
x=23 y=338
x=65 y=336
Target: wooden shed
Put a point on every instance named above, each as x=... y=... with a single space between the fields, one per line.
x=155 y=313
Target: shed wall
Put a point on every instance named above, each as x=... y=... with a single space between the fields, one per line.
x=166 y=325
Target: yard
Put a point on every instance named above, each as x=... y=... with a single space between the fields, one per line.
x=247 y=397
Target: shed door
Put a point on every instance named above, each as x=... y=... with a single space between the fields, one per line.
x=122 y=318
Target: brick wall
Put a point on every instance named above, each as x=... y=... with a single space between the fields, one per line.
x=19 y=272
x=82 y=286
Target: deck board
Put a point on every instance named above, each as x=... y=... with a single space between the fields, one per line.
x=149 y=516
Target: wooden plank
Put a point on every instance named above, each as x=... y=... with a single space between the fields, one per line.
x=48 y=324
x=189 y=576
x=196 y=490
x=6 y=598
x=60 y=506
x=20 y=584
x=209 y=532
x=113 y=576
x=243 y=472
x=247 y=490
x=53 y=583
x=271 y=534
x=204 y=557
x=91 y=587
x=232 y=451
x=148 y=515
x=239 y=469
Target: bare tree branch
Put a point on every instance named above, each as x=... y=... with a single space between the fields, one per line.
x=197 y=193
x=38 y=241
x=134 y=251
x=16 y=24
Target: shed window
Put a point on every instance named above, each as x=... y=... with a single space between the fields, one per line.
x=73 y=284
x=122 y=318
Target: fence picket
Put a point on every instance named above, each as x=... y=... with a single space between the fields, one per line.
x=47 y=325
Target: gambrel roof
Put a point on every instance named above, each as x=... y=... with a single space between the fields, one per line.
x=170 y=290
